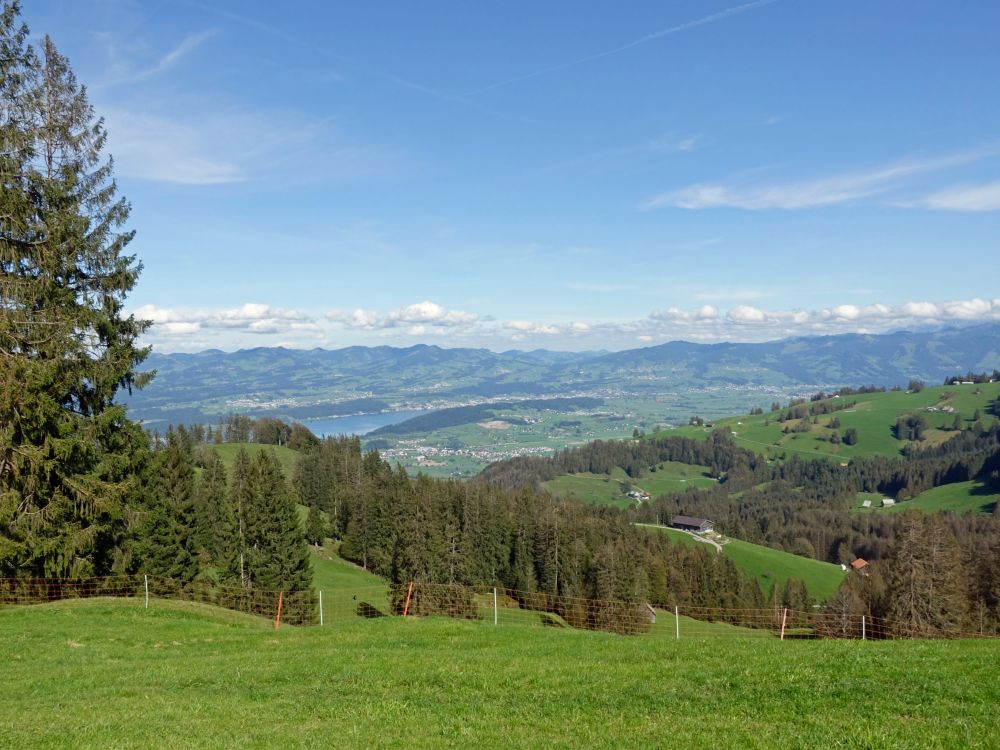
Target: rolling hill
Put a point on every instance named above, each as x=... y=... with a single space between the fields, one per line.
x=873 y=415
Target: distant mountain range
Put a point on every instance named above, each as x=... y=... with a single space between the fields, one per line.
x=316 y=383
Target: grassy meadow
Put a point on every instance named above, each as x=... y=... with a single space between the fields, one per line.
x=103 y=673
x=771 y=566
x=610 y=489
x=286 y=456
x=873 y=416
x=958 y=497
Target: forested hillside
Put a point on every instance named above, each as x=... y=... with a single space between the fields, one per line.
x=803 y=505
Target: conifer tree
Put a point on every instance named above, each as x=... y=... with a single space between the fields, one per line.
x=241 y=500
x=215 y=511
x=277 y=556
x=926 y=588
x=69 y=458
x=315 y=528
x=165 y=543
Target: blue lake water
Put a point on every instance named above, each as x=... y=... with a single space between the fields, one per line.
x=359 y=425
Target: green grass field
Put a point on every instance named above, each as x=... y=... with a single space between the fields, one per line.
x=344 y=584
x=771 y=566
x=959 y=497
x=111 y=674
x=873 y=417
x=604 y=489
x=286 y=456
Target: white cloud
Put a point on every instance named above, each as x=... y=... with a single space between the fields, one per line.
x=705 y=312
x=965 y=198
x=191 y=329
x=202 y=143
x=249 y=318
x=425 y=314
x=528 y=327
x=188 y=45
x=824 y=191
x=433 y=314
x=180 y=329
x=161 y=150
x=921 y=310
x=746 y=314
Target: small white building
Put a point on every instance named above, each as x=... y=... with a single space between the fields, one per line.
x=866 y=504
x=887 y=501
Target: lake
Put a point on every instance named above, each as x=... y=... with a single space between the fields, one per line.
x=359 y=424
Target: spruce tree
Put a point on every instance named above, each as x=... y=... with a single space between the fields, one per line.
x=166 y=540
x=215 y=511
x=241 y=500
x=315 y=528
x=69 y=458
x=277 y=556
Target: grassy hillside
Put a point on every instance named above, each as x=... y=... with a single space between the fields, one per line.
x=344 y=584
x=873 y=416
x=604 y=489
x=286 y=456
x=110 y=674
x=772 y=566
x=959 y=497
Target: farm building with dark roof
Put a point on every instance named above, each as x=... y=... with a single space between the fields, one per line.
x=687 y=523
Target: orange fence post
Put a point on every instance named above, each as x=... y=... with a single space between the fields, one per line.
x=784 y=619
x=409 y=592
x=277 y=619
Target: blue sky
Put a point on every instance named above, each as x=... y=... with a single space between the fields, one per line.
x=598 y=175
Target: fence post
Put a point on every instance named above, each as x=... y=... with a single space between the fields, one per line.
x=321 y=609
x=495 y=618
x=145 y=582
x=863 y=628
x=406 y=607
x=677 y=621
x=277 y=618
x=784 y=619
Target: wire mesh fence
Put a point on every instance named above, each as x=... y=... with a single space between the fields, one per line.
x=497 y=607
x=297 y=608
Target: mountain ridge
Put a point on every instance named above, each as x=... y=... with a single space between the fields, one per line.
x=319 y=382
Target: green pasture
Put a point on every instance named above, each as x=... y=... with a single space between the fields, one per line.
x=771 y=566
x=609 y=489
x=286 y=456
x=102 y=673
x=593 y=489
x=959 y=497
x=873 y=416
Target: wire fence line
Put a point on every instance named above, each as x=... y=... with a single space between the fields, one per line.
x=496 y=607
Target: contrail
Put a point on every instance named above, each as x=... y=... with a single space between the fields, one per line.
x=719 y=16
x=365 y=68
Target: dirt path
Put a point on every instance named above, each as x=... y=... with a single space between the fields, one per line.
x=706 y=540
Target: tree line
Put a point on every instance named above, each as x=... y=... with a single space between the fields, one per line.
x=477 y=534
x=804 y=506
